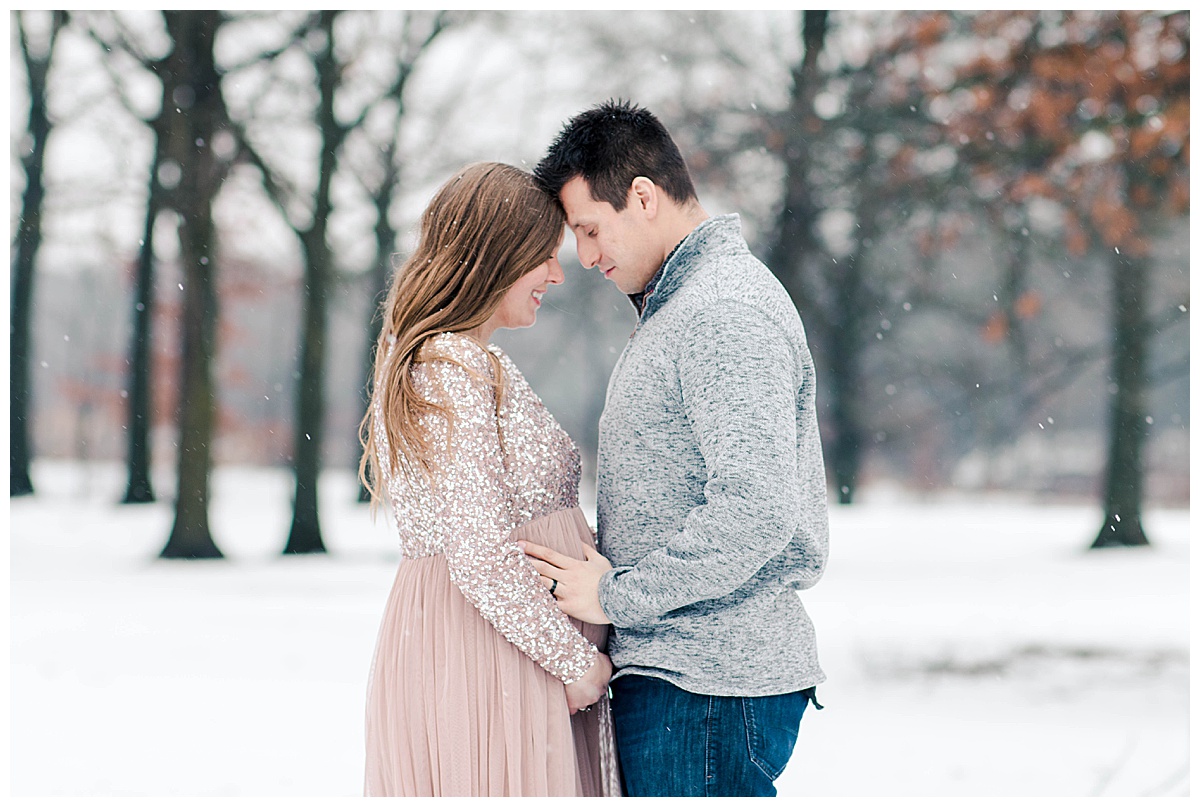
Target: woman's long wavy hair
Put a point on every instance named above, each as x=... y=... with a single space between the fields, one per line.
x=484 y=229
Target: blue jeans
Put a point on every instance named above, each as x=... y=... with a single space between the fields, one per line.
x=675 y=743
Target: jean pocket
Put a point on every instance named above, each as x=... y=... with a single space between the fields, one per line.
x=772 y=725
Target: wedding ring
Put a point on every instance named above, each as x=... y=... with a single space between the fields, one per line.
x=553 y=586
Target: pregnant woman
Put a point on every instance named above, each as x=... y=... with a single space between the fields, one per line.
x=480 y=685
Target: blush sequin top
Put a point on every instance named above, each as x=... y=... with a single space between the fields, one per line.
x=494 y=471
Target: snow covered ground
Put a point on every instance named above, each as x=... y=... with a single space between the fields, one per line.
x=973 y=648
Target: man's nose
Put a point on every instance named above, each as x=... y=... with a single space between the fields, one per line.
x=588 y=255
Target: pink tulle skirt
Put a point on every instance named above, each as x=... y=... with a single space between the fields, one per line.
x=454 y=709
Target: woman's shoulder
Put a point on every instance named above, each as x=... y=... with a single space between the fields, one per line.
x=456 y=348
x=505 y=361
x=465 y=349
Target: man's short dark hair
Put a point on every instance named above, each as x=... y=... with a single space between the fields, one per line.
x=610 y=144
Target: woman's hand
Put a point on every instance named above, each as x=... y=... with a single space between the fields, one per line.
x=589 y=689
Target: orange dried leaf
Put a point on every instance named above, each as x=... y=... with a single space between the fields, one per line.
x=1077 y=244
x=995 y=329
x=1028 y=305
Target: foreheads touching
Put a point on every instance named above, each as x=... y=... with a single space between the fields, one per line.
x=609 y=146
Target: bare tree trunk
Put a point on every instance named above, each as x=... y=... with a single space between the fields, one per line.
x=843 y=372
x=846 y=339
x=1001 y=420
x=795 y=251
x=202 y=113
x=1015 y=286
x=139 y=414
x=29 y=239
x=1127 y=406
x=795 y=237
x=305 y=534
x=385 y=243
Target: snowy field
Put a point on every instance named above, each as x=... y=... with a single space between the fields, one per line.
x=973 y=648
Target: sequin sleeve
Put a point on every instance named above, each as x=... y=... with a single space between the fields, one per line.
x=477 y=518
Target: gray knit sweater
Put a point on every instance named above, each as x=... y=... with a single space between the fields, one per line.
x=711 y=500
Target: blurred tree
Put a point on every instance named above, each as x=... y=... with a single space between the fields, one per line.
x=795 y=236
x=309 y=428
x=308 y=216
x=199 y=118
x=419 y=30
x=310 y=227
x=138 y=411
x=966 y=315
x=856 y=143
x=162 y=181
x=37 y=57
x=800 y=260
x=1091 y=110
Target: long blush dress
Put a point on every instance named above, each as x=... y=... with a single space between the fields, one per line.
x=466 y=693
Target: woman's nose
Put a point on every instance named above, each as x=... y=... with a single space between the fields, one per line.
x=556 y=275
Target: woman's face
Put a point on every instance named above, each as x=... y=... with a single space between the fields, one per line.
x=519 y=307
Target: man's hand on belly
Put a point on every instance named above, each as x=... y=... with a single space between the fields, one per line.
x=578 y=581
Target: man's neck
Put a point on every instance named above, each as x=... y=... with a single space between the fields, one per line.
x=679 y=223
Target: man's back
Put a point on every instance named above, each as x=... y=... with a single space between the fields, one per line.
x=708 y=442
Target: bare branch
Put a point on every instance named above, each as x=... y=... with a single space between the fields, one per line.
x=24 y=41
x=298 y=35
x=121 y=40
x=277 y=189
x=1169 y=317
x=60 y=20
x=1179 y=369
x=407 y=64
x=440 y=23
x=272 y=83
x=115 y=76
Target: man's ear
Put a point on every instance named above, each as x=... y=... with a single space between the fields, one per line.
x=644 y=194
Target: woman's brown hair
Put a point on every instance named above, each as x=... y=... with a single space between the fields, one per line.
x=485 y=228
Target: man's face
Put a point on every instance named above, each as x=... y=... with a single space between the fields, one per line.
x=620 y=244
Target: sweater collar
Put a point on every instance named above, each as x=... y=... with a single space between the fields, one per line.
x=708 y=234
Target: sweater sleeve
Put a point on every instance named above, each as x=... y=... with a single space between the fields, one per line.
x=739 y=387
x=477 y=519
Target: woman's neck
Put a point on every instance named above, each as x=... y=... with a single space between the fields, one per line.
x=482 y=333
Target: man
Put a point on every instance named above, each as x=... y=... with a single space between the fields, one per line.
x=711 y=496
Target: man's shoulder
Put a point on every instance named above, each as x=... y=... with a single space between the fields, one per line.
x=733 y=286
